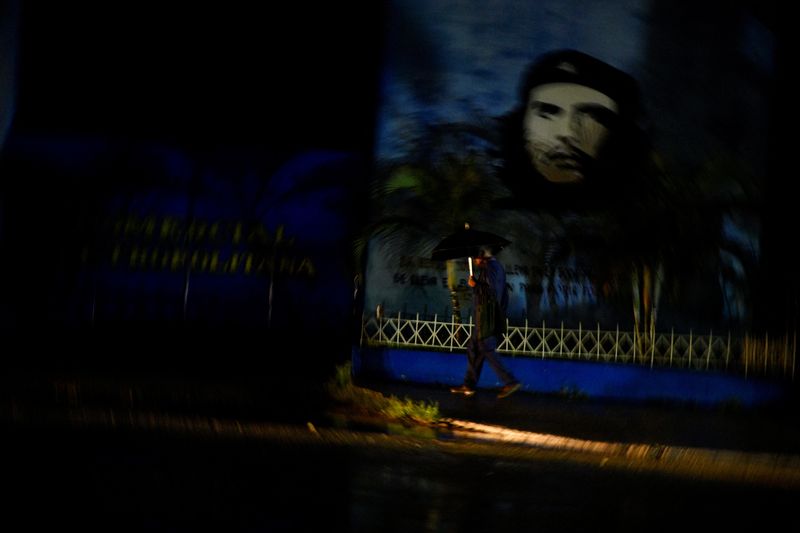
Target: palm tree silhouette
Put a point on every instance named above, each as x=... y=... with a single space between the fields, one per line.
x=429 y=194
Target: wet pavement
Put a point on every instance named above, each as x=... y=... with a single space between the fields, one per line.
x=773 y=429
x=116 y=452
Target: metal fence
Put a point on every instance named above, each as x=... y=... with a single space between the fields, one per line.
x=697 y=351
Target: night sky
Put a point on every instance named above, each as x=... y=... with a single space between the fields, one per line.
x=275 y=75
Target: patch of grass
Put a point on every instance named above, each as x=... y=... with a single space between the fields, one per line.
x=342 y=389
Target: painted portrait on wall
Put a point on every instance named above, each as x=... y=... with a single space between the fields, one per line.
x=595 y=138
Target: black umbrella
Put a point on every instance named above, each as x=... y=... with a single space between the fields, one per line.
x=466 y=242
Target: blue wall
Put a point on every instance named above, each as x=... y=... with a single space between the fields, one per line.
x=593 y=380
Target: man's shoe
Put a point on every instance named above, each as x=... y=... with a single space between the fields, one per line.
x=509 y=389
x=463 y=389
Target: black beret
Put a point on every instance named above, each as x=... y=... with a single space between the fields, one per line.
x=571 y=66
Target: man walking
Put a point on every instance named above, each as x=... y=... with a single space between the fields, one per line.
x=489 y=303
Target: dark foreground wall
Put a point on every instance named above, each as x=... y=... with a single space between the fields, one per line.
x=148 y=255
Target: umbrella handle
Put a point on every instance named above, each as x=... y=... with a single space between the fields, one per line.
x=469 y=263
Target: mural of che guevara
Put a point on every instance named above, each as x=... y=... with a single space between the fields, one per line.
x=605 y=226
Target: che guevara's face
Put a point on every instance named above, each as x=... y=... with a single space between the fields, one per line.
x=565 y=126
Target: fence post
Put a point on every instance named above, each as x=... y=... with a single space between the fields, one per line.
x=728 y=351
x=561 y=344
x=435 y=329
x=397 y=329
x=525 y=343
x=598 y=341
x=544 y=336
x=690 y=348
x=505 y=337
x=766 y=351
x=616 y=345
x=710 y=341
x=580 y=340
x=671 y=345
x=452 y=330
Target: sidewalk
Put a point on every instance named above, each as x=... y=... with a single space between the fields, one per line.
x=735 y=445
x=738 y=445
x=172 y=451
x=756 y=430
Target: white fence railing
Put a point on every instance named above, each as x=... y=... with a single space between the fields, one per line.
x=706 y=351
